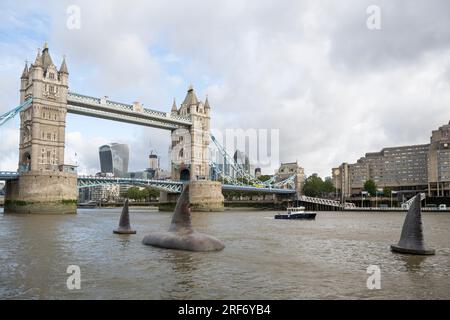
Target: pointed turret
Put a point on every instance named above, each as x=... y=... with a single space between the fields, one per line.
x=63 y=68
x=191 y=98
x=207 y=103
x=174 y=106
x=38 y=61
x=46 y=59
x=25 y=71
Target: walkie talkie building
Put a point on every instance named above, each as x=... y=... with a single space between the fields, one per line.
x=114 y=159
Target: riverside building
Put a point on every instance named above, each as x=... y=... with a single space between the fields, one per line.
x=414 y=168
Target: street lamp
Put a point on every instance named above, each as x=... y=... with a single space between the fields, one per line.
x=362 y=197
x=437 y=168
x=392 y=192
x=376 y=196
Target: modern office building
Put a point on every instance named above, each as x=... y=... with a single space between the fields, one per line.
x=107 y=192
x=114 y=159
x=153 y=169
x=439 y=162
x=153 y=161
x=414 y=168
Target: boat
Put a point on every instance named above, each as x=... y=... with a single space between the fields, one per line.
x=90 y=204
x=296 y=213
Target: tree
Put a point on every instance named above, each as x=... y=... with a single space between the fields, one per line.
x=264 y=178
x=133 y=193
x=144 y=194
x=371 y=187
x=152 y=193
x=327 y=186
x=313 y=186
x=387 y=191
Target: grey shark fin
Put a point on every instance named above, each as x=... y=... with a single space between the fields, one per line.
x=411 y=239
x=125 y=216
x=181 y=218
x=124 y=222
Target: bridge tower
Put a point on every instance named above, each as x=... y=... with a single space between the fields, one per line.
x=45 y=184
x=190 y=157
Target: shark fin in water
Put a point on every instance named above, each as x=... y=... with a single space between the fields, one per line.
x=181 y=219
x=411 y=239
x=124 y=223
x=181 y=236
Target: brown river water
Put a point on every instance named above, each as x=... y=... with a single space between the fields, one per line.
x=263 y=259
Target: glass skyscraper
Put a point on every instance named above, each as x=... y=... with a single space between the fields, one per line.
x=114 y=159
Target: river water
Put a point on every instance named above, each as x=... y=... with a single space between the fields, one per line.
x=263 y=259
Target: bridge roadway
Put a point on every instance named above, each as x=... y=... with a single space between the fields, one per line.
x=164 y=185
x=117 y=111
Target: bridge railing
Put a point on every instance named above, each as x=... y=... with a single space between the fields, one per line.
x=93 y=181
x=8 y=175
x=327 y=202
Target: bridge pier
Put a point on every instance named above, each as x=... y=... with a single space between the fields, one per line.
x=44 y=192
x=204 y=196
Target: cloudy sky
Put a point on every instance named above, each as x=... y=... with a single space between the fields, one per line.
x=334 y=88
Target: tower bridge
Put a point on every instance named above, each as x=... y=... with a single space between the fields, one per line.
x=44 y=183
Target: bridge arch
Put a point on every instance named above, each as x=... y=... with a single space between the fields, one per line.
x=185 y=175
x=25 y=161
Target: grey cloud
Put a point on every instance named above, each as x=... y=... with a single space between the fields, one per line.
x=409 y=29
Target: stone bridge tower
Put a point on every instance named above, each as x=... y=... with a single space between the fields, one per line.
x=45 y=184
x=42 y=124
x=190 y=154
x=190 y=147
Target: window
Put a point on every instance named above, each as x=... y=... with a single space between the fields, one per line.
x=49 y=136
x=51 y=75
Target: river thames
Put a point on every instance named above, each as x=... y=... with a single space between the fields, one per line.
x=263 y=259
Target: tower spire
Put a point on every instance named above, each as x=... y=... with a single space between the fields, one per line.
x=207 y=103
x=174 y=106
x=63 y=68
x=38 y=61
x=25 y=71
x=191 y=98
